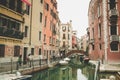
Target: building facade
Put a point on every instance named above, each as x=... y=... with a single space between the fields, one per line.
x=66 y=37
x=104 y=30
x=11 y=29
x=49 y=28
x=18 y=22
x=84 y=42
x=74 y=40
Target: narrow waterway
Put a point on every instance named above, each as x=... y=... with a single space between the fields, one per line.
x=69 y=72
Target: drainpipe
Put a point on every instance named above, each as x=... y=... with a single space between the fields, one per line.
x=104 y=2
x=30 y=23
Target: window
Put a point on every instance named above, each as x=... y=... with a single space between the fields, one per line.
x=99 y=31
x=68 y=29
x=99 y=13
x=3 y=2
x=32 y=51
x=9 y=23
x=47 y=6
x=40 y=51
x=113 y=30
x=92 y=33
x=63 y=36
x=2 y=50
x=45 y=21
x=50 y=25
x=93 y=47
x=112 y=4
x=41 y=1
x=63 y=43
x=40 y=17
x=68 y=36
x=15 y=5
x=44 y=52
x=12 y=4
x=63 y=28
x=100 y=46
x=114 y=46
x=27 y=9
x=19 y=6
x=16 y=51
x=53 y=29
x=50 y=40
x=40 y=35
x=26 y=31
x=44 y=37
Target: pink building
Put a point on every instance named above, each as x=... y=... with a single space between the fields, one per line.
x=74 y=40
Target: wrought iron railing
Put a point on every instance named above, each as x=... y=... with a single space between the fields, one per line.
x=12 y=66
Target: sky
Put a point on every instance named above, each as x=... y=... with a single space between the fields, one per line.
x=77 y=11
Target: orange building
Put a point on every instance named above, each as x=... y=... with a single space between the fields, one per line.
x=49 y=28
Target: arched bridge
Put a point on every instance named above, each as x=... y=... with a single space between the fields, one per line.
x=75 y=52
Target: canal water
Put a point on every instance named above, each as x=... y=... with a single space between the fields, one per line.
x=69 y=72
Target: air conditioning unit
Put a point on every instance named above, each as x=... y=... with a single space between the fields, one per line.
x=114 y=38
x=113 y=12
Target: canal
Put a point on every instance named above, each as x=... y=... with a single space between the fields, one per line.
x=68 y=72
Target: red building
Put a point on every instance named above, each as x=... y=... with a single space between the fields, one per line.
x=104 y=30
x=74 y=40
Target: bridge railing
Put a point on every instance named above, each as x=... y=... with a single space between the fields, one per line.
x=74 y=52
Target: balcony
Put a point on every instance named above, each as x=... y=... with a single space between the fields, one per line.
x=91 y=41
x=5 y=32
x=113 y=15
x=114 y=38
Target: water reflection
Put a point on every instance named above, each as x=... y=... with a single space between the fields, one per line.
x=81 y=76
x=66 y=73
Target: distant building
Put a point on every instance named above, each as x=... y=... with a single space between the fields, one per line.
x=66 y=36
x=104 y=30
x=74 y=40
x=84 y=42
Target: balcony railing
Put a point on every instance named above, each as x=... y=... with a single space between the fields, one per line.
x=113 y=15
x=113 y=12
x=5 y=32
x=114 y=38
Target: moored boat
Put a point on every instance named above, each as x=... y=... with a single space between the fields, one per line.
x=67 y=59
x=63 y=62
x=16 y=76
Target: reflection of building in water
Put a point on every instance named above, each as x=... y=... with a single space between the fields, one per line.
x=53 y=74
x=65 y=73
x=88 y=71
x=74 y=73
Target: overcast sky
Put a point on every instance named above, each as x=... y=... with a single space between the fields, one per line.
x=77 y=11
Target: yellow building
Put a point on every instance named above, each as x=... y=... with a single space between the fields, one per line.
x=20 y=29
x=11 y=29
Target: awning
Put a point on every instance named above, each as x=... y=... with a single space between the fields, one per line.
x=27 y=2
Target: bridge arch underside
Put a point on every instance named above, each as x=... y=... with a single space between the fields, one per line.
x=72 y=52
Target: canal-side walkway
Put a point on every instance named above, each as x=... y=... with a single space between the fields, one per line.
x=106 y=70
x=106 y=67
x=28 y=67
x=110 y=67
x=37 y=68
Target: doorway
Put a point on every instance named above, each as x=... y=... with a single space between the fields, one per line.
x=25 y=55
